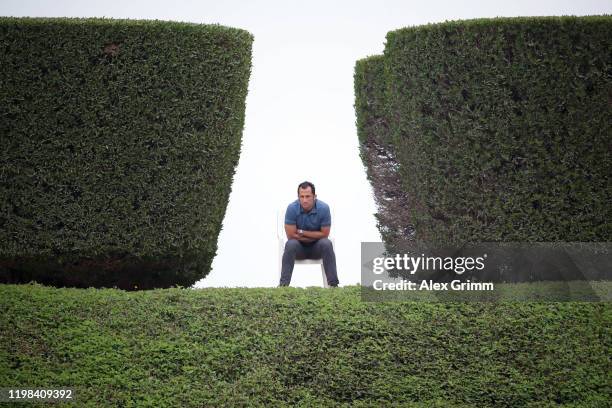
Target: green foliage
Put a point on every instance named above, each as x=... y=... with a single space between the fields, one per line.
x=370 y=103
x=501 y=126
x=304 y=347
x=119 y=143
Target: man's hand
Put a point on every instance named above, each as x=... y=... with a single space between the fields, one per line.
x=314 y=235
x=306 y=236
x=300 y=236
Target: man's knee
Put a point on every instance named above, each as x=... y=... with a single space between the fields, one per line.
x=292 y=245
x=326 y=245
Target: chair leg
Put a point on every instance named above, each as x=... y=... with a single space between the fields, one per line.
x=281 y=249
x=325 y=284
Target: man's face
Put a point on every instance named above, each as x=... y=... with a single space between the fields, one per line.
x=306 y=198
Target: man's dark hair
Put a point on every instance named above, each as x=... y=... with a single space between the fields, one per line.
x=306 y=184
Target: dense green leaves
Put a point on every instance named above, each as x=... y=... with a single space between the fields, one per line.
x=119 y=143
x=315 y=347
x=501 y=126
x=370 y=103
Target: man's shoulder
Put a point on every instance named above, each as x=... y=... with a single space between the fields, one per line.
x=292 y=213
x=294 y=206
x=322 y=206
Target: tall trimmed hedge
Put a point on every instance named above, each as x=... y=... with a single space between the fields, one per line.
x=119 y=144
x=370 y=103
x=502 y=127
x=376 y=149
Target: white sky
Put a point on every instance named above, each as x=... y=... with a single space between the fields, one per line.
x=300 y=122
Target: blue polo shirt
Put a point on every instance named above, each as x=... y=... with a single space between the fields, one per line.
x=319 y=216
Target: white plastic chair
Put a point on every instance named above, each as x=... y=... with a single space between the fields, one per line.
x=282 y=240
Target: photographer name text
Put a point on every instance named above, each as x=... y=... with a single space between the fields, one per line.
x=429 y=285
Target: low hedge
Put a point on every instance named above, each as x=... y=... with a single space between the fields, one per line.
x=304 y=347
x=119 y=143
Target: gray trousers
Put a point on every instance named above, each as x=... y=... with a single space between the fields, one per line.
x=322 y=249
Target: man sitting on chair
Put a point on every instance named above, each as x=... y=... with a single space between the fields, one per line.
x=307 y=225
